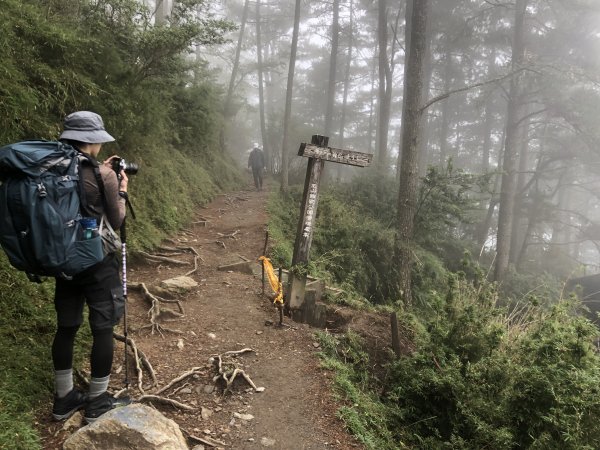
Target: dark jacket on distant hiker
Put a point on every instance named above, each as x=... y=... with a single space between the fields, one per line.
x=256 y=161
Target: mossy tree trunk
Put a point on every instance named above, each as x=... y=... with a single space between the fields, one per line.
x=409 y=173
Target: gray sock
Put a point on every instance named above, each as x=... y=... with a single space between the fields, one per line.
x=98 y=386
x=63 y=382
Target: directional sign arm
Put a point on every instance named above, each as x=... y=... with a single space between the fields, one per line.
x=337 y=155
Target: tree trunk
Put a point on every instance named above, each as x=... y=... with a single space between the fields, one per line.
x=271 y=98
x=372 y=107
x=261 y=95
x=509 y=179
x=227 y=112
x=520 y=225
x=484 y=227
x=346 y=85
x=288 y=101
x=335 y=31
x=409 y=174
x=428 y=74
x=489 y=117
x=385 y=88
x=446 y=110
x=163 y=10
x=407 y=44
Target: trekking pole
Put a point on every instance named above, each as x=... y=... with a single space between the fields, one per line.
x=124 y=259
x=123 y=233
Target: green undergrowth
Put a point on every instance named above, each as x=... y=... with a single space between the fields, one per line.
x=365 y=416
x=26 y=332
x=479 y=377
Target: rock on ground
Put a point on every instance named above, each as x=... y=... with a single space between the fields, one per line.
x=132 y=426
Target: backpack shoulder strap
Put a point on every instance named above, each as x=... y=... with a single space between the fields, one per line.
x=82 y=157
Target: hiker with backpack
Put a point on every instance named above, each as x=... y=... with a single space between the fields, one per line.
x=256 y=161
x=99 y=286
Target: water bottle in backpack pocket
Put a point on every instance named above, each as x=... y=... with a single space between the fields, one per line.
x=89 y=227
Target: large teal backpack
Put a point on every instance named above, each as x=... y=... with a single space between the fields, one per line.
x=40 y=228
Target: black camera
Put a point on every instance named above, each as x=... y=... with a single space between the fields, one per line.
x=119 y=164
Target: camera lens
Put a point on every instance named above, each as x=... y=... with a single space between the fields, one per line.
x=131 y=168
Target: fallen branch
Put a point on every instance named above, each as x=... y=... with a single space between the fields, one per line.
x=221 y=243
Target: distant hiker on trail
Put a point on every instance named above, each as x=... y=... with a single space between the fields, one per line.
x=100 y=285
x=256 y=161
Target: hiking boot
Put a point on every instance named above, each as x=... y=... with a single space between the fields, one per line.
x=66 y=406
x=97 y=406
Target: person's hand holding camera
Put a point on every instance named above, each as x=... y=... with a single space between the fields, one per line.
x=110 y=163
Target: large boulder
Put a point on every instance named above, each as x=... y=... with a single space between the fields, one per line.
x=133 y=426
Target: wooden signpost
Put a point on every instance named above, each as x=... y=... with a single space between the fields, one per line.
x=318 y=152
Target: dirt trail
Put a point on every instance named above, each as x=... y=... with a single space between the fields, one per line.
x=227 y=312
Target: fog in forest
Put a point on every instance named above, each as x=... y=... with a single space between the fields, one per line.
x=502 y=84
x=454 y=220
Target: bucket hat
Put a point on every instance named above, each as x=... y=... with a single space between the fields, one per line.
x=85 y=126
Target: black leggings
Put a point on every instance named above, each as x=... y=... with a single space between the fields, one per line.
x=102 y=350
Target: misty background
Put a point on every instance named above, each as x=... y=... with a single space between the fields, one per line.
x=522 y=81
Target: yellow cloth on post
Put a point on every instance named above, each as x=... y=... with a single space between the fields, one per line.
x=276 y=285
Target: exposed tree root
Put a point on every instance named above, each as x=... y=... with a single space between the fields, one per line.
x=183 y=376
x=156 y=259
x=138 y=356
x=229 y=374
x=205 y=440
x=157 y=311
x=166 y=401
x=230 y=235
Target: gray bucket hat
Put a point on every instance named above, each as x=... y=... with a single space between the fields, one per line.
x=85 y=126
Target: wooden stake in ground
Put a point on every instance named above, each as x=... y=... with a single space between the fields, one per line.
x=318 y=152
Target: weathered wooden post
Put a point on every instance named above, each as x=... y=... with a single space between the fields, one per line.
x=318 y=152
